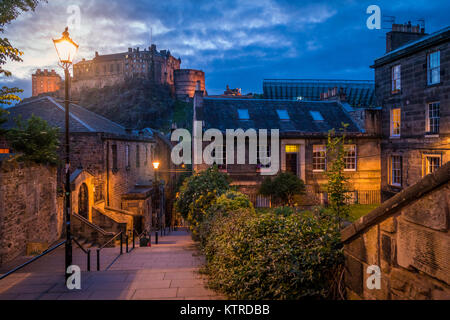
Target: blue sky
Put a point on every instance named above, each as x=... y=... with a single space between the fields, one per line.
x=235 y=42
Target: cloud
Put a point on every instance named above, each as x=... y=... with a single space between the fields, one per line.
x=266 y=38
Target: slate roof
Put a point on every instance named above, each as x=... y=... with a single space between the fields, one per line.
x=222 y=114
x=52 y=110
x=416 y=45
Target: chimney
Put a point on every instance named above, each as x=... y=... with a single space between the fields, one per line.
x=130 y=50
x=153 y=48
x=96 y=54
x=402 y=34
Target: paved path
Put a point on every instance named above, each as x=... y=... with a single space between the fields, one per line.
x=166 y=271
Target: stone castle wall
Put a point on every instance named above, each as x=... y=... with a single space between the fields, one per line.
x=408 y=238
x=28 y=207
x=186 y=81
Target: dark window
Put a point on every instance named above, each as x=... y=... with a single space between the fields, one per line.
x=396 y=170
x=433 y=117
x=292 y=162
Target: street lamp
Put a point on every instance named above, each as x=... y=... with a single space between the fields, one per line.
x=66 y=49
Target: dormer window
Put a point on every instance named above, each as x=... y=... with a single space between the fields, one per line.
x=243 y=114
x=283 y=115
x=316 y=115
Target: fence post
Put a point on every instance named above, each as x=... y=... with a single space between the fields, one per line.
x=121 y=243
x=134 y=240
x=156 y=237
x=89 y=260
x=98 y=259
x=126 y=243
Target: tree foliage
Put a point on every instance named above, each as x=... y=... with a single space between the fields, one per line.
x=283 y=188
x=10 y=10
x=34 y=140
x=337 y=186
x=197 y=193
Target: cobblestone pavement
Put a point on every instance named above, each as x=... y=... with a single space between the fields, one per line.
x=166 y=271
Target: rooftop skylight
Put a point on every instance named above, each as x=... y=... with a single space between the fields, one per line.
x=316 y=115
x=283 y=114
x=243 y=114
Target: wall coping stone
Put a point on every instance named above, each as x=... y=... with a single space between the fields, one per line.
x=400 y=200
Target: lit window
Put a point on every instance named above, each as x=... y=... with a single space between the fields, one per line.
x=396 y=171
x=432 y=163
x=350 y=157
x=433 y=117
x=434 y=67
x=396 y=78
x=316 y=115
x=319 y=158
x=243 y=114
x=395 y=122
x=290 y=148
x=283 y=114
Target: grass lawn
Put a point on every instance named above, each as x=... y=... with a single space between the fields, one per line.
x=359 y=210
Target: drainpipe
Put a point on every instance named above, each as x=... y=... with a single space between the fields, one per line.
x=107 y=173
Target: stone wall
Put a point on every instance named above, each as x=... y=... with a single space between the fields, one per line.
x=408 y=238
x=28 y=207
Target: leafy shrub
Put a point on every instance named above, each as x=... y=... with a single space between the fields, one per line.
x=284 y=211
x=283 y=188
x=35 y=140
x=197 y=193
x=228 y=202
x=272 y=256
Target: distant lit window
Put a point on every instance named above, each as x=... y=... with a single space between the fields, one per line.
x=291 y=148
x=316 y=115
x=283 y=114
x=396 y=78
x=350 y=157
x=434 y=67
x=433 y=117
x=4 y=150
x=395 y=122
x=396 y=171
x=432 y=163
x=243 y=114
x=319 y=158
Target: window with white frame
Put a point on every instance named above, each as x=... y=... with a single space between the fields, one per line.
x=433 y=117
x=434 y=67
x=350 y=157
x=396 y=78
x=396 y=117
x=319 y=158
x=396 y=171
x=432 y=163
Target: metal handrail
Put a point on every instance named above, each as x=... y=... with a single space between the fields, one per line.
x=88 y=253
x=32 y=260
x=108 y=242
x=135 y=233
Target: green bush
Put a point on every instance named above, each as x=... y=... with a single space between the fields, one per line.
x=220 y=207
x=283 y=188
x=34 y=140
x=197 y=193
x=272 y=256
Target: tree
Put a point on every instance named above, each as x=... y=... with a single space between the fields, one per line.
x=197 y=194
x=10 y=10
x=34 y=140
x=337 y=186
x=283 y=188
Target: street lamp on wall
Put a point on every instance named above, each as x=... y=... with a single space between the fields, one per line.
x=66 y=49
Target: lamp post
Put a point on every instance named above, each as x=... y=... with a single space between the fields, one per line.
x=156 y=167
x=66 y=49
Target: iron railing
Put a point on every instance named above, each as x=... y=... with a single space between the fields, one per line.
x=32 y=260
x=119 y=234
x=86 y=251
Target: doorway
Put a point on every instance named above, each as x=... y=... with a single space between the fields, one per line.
x=83 y=201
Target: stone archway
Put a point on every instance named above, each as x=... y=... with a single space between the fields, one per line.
x=83 y=201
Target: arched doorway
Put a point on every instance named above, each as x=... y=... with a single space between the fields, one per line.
x=83 y=201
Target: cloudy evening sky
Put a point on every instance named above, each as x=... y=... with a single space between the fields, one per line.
x=235 y=42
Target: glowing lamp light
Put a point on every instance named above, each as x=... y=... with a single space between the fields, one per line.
x=156 y=165
x=66 y=48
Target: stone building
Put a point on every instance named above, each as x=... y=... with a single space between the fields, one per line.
x=110 y=69
x=45 y=81
x=412 y=87
x=187 y=81
x=303 y=129
x=110 y=167
x=401 y=250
